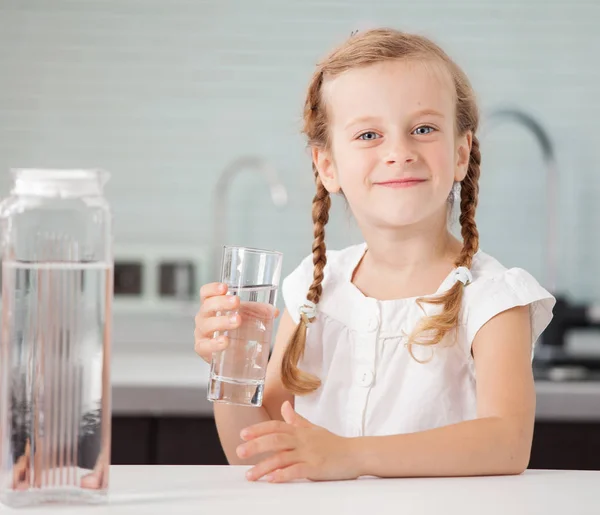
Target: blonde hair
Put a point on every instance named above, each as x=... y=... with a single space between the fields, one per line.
x=360 y=50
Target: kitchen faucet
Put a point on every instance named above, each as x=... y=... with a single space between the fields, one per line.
x=278 y=192
x=552 y=359
x=547 y=147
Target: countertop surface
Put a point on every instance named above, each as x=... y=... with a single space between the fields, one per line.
x=147 y=490
x=158 y=380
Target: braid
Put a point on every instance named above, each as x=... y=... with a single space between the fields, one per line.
x=437 y=326
x=294 y=379
x=469 y=193
x=320 y=213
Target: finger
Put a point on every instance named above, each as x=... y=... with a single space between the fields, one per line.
x=219 y=303
x=268 y=443
x=283 y=475
x=291 y=417
x=272 y=463
x=205 y=347
x=212 y=289
x=260 y=310
x=265 y=428
x=207 y=327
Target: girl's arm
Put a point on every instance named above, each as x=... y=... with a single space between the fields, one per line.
x=232 y=419
x=497 y=442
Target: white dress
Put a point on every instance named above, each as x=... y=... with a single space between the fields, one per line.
x=356 y=346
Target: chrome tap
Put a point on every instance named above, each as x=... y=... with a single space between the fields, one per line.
x=257 y=164
x=543 y=138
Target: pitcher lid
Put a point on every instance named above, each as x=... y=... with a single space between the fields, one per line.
x=59 y=182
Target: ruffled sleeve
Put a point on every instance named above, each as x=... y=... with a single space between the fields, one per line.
x=514 y=287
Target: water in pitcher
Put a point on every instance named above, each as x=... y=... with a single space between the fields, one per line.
x=55 y=382
x=237 y=373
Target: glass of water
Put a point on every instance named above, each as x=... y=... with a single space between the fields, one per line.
x=237 y=374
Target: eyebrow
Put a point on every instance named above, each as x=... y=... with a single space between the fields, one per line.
x=361 y=119
x=422 y=112
x=430 y=112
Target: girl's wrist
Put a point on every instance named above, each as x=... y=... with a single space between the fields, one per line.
x=358 y=455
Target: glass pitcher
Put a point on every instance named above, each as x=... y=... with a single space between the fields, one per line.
x=57 y=275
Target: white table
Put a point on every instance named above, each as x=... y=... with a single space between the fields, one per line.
x=147 y=490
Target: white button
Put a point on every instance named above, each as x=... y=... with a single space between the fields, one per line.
x=365 y=377
x=372 y=324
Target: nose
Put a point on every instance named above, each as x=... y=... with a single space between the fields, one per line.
x=400 y=152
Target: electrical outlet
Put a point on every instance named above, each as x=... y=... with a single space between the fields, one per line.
x=177 y=279
x=128 y=278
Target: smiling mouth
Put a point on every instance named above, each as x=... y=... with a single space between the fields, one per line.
x=400 y=183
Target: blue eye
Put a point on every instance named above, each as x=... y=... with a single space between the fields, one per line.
x=423 y=130
x=369 y=136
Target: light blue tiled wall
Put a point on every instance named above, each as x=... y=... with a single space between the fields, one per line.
x=165 y=93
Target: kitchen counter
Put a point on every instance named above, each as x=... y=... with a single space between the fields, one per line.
x=152 y=380
x=147 y=490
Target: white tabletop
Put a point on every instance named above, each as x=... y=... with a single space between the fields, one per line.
x=147 y=490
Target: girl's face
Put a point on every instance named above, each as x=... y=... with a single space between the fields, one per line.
x=394 y=152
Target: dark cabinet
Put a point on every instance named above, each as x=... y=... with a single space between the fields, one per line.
x=194 y=441
x=566 y=445
x=165 y=441
x=188 y=441
x=132 y=440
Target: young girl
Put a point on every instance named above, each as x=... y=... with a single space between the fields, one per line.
x=409 y=355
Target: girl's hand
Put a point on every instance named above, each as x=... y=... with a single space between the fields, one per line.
x=234 y=316
x=301 y=450
x=213 y=299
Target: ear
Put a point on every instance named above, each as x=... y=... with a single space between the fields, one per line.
x=326 y=167
x=463 y=155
